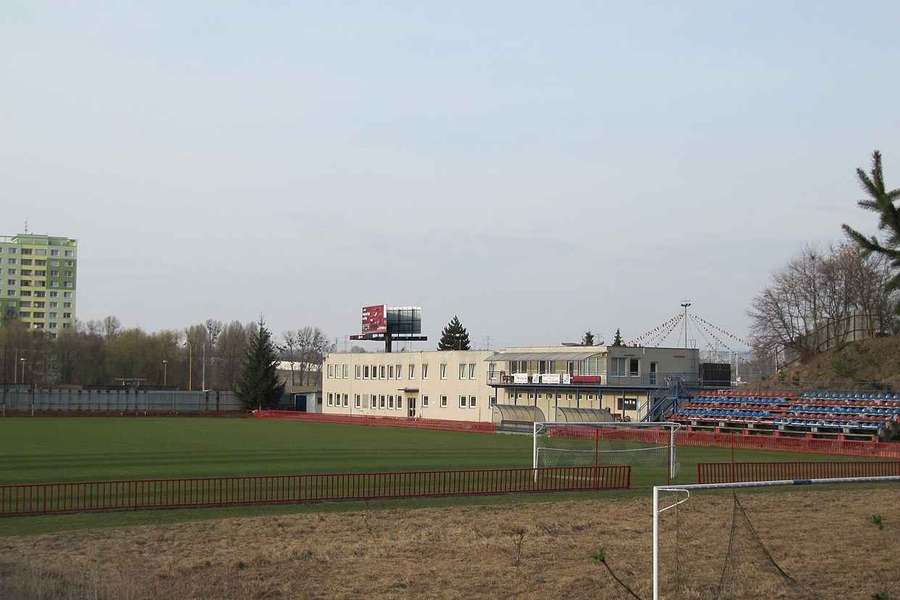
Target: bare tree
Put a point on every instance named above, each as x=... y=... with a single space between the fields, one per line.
x=820 y=291
x=289 y=349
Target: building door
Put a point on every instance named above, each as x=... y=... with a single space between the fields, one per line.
x=653 y=373
x=411 y=406
x=300 y=402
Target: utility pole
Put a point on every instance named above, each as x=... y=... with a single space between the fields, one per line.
x=203 y=370
x=16 y=368
x=190 y=366
x=165 y=378
x=685 y=305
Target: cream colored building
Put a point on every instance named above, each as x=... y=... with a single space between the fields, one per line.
x=433 y=385
x=617 y=381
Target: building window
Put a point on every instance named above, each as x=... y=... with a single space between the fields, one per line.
x=330 y=399
x=399 y=402
x=472 y=401
x=471 y=370
x=493 y=400
x=424 y=401
x=346 y=400
x=424 y=370
x=358 y=401
x=443 y=401
x=381 y=371
x=627 y=403
x=391 y=401
x=330 y=375
x=381 y=401
x=398 y=371
x=412 y=371
x=365 y=371
x=462 y=371
x=443 y=370
x=618 y=367
x=390 y=371
x=462 y=401
x=634 y=367
x=356 y=371
x=345 y=371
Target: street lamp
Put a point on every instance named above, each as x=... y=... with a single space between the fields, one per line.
x=22 y=360
x=165 y=364
x=685 y=306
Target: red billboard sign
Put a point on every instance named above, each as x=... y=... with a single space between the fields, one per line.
x=374 y=319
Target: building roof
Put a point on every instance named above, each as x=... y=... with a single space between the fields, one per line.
x=541 y=355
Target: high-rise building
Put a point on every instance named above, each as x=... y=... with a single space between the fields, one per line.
x=37 y=281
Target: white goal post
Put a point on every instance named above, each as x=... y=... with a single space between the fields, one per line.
x=685 y=491
x=586 y=443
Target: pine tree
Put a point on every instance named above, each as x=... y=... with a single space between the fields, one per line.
x=883 y=202
x=588 y=339
x=259 y=386
x=617 y=341
x=454 y=336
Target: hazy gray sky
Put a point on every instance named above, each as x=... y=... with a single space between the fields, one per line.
x=537 y=168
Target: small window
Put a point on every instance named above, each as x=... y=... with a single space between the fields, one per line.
x=398 y=371
x=424 y=370
x=471 y=370
x=346 y=400
x=356 y=371
x=443 y=401
x=391 y=401
x=330 y=375
x=634 y=367
x=472 y=401
x=424 y=401
x=365 y=371
x=412 y=371
x=493 y=401
x=462 y=401
x=443 y=370
x=357 y=402
x=381 y=401
x=399 y=402
x=462 y=371
x=627 y=403
x=345 y=371
x=381 y=372
x=390 y=371
x=330 y=399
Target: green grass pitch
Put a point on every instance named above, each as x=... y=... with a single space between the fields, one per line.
x=86 y=448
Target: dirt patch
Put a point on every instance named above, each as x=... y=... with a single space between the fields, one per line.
x=826 y=540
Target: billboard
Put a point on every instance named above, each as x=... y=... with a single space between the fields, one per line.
x=374 y=319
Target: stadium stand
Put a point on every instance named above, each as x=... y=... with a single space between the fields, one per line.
x=822 y=414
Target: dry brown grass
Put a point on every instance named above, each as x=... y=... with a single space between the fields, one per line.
x=528 y=551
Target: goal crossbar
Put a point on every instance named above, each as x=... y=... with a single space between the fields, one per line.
x=688 y=488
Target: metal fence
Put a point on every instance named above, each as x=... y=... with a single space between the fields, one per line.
x=778 y=471
x=95 y=496
x=27 y=400
x=375 y=421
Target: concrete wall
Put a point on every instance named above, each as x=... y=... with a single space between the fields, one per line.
x=20 y=399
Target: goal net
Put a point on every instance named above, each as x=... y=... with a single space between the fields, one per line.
x=811 y=538
x=647 y=445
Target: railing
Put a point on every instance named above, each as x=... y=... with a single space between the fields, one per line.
x=657 y=380
x=777 y=471
x=97 y=496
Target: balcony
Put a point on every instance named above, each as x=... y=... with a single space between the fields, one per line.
x=643 y=380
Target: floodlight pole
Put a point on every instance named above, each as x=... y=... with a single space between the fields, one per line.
x=685 y=305
x=655 y=543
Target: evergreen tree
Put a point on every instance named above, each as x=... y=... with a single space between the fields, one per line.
x=617 y=341
x=454 y=336
x=883 y=202
x=259 y=386
x=588 y=339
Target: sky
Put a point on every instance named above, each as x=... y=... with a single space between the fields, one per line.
x=538 y=169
